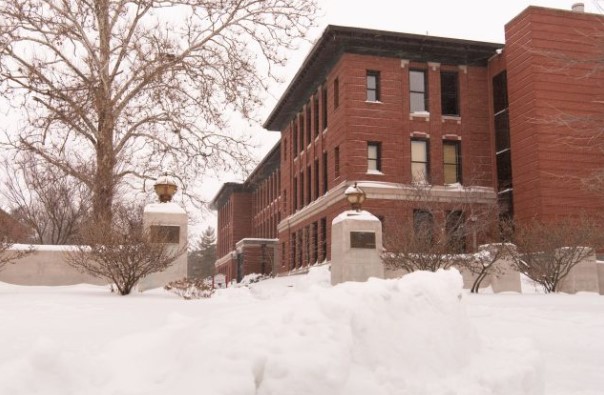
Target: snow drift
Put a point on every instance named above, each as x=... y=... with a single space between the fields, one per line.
x=405 y=336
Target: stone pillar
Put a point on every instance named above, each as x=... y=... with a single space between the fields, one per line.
x=509 y=279
x=356 y=247
x=583 y=277
x=174 y=218
x=600 y=268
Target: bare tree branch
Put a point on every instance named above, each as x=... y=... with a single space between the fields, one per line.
x=119 y=89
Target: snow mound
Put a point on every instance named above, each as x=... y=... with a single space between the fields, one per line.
x=404 y=336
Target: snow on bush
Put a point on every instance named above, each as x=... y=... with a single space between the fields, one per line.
x=191 y=288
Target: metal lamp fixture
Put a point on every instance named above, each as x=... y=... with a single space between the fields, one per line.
x=165 y=187
x=355 y=196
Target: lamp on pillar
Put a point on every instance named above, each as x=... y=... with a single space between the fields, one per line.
x=165 y=187
x=355 y=196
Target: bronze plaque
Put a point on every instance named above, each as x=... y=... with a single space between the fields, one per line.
x=362 y=240
x=165 y=234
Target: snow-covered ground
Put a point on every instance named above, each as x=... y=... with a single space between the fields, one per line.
x=420 y=334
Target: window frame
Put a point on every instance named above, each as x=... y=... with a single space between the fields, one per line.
x=324 y=114
x=375 y=91
x=447 y=95
x=423 y=225
x=336 y=93
x=378 y=157
x=423 y=92
x=457 y=164
x=426 y=163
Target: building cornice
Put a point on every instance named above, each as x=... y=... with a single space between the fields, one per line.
x=393 y=191
x=337 y=40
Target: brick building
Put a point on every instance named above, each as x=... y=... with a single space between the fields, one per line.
x=476 y=121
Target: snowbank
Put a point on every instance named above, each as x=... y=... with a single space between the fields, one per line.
x=404 y=336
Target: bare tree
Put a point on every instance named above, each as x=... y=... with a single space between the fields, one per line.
x=115 y=91
x=10 y=232
x=125 y=254
x=485 y=262
x=440 y=229
x=548 y=251
x=52 y=205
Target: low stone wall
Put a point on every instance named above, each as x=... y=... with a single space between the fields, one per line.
x=586 y=276
x=45 y=265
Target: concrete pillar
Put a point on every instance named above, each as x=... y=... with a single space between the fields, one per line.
x=174 y=217
x=583 y=277
x=509 y=279
x=356 y=247
x=600 y=267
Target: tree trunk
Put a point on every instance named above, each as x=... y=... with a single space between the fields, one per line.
x=104 y=183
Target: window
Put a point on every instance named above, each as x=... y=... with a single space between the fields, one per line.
x=301 y=189
x=316 y=113
x=323 y=239
x=308 y=124
x=336 y=155
x=308 y=185
x=454 y=228
x=282 y=254
x=502 y=144
x=419 y=161
x=292 y=260
x=449 y=93
x=295 y=138
x=316 y=193
x=452 y=161
x=373 y=85
x=423 y=227
x=324 y=106
x=301 y=132
x=300 y=250
x=325 y=173
x=336 y=93
x=418 y=91
x=295 y=195
x=307 y=242
x=374 y=156
x=315 y=242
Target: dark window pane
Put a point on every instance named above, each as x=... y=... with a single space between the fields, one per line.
x=500 y=92
x=423 y=226
x=449 y=93
x=373 y=85
x=502 y=131
x=504 y=170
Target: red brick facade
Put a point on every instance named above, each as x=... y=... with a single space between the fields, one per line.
x=351 y=115
x=556 y=92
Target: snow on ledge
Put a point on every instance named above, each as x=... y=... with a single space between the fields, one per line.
x=43 y=247
x=355 y=215
x=169 y=208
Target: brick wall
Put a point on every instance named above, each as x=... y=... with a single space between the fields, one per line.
x=552 y=84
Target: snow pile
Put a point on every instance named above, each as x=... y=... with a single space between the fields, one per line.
x=405 y=336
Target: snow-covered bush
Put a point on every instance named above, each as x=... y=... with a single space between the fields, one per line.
x=190 y=288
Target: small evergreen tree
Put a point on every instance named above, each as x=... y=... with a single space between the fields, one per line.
x=202 y=259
